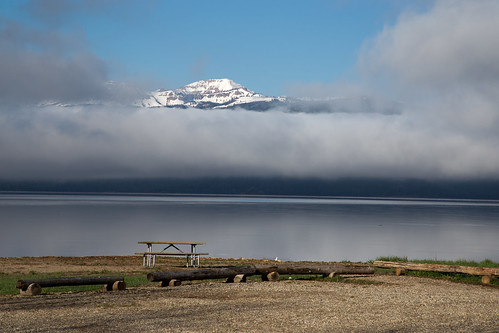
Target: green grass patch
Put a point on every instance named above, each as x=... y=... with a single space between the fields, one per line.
x=136 y=280
x=459 y=262
x=455 y=277
x=8 y=286
x=390 y=258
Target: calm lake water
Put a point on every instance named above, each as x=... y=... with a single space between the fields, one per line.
x=289 y=228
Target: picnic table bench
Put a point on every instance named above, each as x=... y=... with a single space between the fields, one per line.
x=150 y=255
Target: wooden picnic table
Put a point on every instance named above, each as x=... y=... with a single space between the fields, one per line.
x=150 y=255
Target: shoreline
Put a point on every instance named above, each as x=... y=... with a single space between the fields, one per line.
x=363 y=304
x=382 y=303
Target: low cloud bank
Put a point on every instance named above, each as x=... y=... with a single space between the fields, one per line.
x=95 y=142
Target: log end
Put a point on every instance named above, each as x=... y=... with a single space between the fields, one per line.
x=486 y=279
x=399 y=271
x=273 y=277
x=240 y=278
x=174 y=283
x=170 y=283
x=32 y=290
x=21 y=285
x=119 y=285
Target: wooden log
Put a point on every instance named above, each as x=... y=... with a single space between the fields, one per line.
x=170 y=283
x=272 y=277
x=483 y=271
x=240 y=278
x=32 y=290
x=486 y=279
x=399 y=271
x=314 y=269
x=202 y=274
x=117 y=285
x=230 y=273
x=69 y=281
x=174 y=283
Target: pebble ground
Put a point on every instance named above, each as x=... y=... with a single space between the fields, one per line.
x=389 y=304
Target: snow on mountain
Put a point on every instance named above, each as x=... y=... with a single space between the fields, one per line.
x=209 y=94
x=227 y=94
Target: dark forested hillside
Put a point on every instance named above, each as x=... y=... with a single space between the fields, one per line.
x=484 y=189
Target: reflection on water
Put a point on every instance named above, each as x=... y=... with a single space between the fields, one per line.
x=253 y=227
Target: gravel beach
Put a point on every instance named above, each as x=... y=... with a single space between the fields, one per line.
x=391 y=304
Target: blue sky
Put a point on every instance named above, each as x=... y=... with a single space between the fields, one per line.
x=437 y=60
x=264 y=45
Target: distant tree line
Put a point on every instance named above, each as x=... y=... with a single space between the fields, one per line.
x=407 y=188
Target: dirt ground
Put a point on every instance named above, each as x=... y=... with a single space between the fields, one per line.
x=97 y=264
x=384 y=303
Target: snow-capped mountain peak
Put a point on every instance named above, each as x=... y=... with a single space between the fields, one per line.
x=213 y=85
x=207 y=94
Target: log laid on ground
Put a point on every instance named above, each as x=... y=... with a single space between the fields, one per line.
x=170 y=283
x=202 y=274
x=231 y=272
x=32 y=290
x=272 y=276
x=117 y=285
x=240 y=278
x=486 y=279
x=326 y=270
x=110 y=281
x=483 y=271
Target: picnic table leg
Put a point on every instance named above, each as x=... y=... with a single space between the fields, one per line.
x=193 y=257
x=149 y=256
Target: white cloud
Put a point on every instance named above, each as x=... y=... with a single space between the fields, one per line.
x=98 y=143
x=453 y=45
x=441 y=64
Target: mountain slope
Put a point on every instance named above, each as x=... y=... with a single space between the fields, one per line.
x=210 y=94
x=227 y=94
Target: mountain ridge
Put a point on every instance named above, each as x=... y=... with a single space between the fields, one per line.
x=208 y=94
x=227 y=94
x=217 y=94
